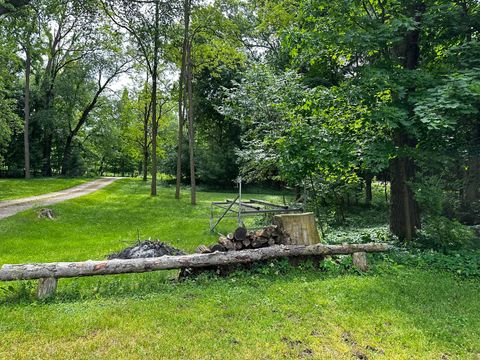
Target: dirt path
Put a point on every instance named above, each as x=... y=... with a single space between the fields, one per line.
x=12 y=207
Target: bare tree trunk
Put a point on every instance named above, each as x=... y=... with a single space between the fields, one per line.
x=368 y=188
x=191 y=137
x=470 y=193
x=67 y=154
x=26 y=142
x=181 y=99
x=146 y=115
x=47 y=153
x=400 y=223
x=153 y=190
x=145 y=147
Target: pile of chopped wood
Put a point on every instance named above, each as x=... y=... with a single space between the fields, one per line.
x=243 y=239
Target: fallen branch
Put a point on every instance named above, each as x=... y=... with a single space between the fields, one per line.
x=123 y=266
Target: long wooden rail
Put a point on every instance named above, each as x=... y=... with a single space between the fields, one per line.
x=48 y=273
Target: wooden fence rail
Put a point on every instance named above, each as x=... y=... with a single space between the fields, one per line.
x=48 y=273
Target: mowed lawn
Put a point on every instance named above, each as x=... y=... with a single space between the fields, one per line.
x=20 y=188
x=271 y=312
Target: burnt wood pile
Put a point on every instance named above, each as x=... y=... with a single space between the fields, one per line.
x=242 y=239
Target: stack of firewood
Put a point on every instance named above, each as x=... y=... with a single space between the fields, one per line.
x=243 y=239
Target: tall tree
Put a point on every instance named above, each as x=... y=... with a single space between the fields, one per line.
x=150 y=38
x=181 y=93
x=101 y=86
x=26 y=111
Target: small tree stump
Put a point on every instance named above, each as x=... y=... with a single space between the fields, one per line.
x=46 y=213
x=360 y=261
x=46 y=287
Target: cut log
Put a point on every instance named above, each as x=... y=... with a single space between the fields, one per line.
x=259 y=241
x=360 y=261
x=246 y=242
x=240 y=234
x=258 y=233
x=46 y=287
x=238 y=245
x=202 y=249
x=301 y=228
x=124 y=266
x=230 y=236
x=227 y=243
x=217 y=247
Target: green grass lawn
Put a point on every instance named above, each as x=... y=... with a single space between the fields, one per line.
x=19 y=188
x=270 y=312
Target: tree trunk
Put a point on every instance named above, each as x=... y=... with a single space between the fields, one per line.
x=145 y=142
x=125 y=266
x=471 y=179
x=181 y=82
x=67 y=154
x=47 y=153
x=404 y=210
x=26 y=142
x=368 y=188
x=191 y=136
x=153 y=190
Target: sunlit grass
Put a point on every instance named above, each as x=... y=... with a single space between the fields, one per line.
x=269 y=313
x=19 y=188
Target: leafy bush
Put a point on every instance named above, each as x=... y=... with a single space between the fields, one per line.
x=462 y=263
x=360 y=235
x=440 y=233
x=430 y=194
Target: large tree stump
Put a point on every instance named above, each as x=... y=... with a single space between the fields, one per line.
x=46 y=287
x=301 y=227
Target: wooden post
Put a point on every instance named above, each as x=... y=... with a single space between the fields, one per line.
x=360 y=261
x=46 y=287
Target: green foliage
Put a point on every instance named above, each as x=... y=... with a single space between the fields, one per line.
x=460 y=263
x=430 y=194
x=443 y=234
x=277 y=311
x=454 y=101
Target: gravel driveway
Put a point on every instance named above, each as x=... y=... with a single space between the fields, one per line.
x=12 y=207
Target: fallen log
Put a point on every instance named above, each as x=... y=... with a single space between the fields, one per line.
x=123 y=266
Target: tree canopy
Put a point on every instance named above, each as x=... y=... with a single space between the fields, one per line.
x=321 y=96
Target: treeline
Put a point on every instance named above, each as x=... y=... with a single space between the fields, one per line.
x=322 y=96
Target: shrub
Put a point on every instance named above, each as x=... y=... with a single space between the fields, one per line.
x=440 y=233
x=463 y=263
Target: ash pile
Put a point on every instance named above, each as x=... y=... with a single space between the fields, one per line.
x=146 y=249
x=242 y=239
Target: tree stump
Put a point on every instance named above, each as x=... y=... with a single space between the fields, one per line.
x=301 y=227
x=360 y=261
x=46 y=287
x=46 y=213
